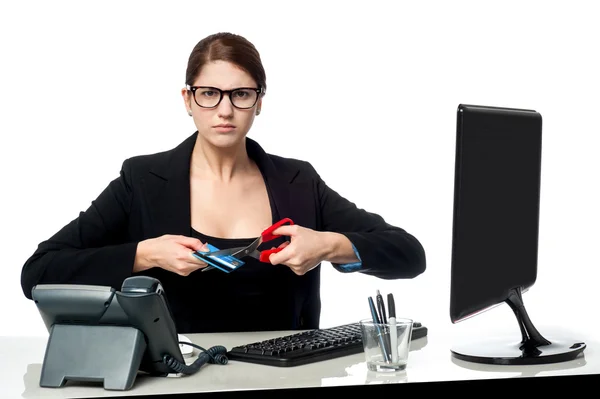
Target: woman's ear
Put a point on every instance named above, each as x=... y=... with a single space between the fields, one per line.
x=258 y=106
x=187 y=100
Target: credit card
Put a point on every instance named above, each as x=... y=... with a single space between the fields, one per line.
x=225 y=263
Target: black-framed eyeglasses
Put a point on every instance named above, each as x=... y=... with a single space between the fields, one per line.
x=210 y=97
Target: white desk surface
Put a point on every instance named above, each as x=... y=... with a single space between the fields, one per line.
x=429 y=360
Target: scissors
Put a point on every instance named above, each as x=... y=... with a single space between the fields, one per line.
x=251 y=250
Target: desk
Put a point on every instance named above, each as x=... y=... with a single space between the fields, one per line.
x=429 y=361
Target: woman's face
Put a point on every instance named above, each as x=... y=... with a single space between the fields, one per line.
x=223 y=125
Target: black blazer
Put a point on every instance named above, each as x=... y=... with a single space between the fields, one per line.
x=151 y=197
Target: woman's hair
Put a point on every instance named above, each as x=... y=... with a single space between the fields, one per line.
x=228 y=47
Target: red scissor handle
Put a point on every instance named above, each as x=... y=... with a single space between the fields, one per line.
x=264 y=255
x=268 y=235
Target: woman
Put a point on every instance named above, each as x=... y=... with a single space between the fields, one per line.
x=219 y=187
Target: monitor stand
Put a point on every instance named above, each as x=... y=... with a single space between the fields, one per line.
x=533 y=348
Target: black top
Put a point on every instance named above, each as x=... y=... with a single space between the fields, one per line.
x=151 y=197
x=257 y=296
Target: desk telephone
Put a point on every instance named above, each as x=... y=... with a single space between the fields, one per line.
x=114 y=334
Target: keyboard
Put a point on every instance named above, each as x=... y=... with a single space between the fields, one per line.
x=308 y=346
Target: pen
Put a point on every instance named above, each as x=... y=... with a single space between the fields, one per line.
x=393 y=331
x=376 y=321
x=381 y=308
x=383 y=320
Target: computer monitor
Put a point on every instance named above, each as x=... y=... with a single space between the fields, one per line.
x=495 y=230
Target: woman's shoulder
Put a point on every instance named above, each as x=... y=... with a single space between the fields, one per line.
x=164 y=161
x=292 y=169
x=142 y=163
x=290 y=162
x=279 y=163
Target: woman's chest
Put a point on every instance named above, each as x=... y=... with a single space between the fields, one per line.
x=230 y=211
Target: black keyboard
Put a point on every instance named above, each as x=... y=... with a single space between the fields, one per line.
x=308 y=346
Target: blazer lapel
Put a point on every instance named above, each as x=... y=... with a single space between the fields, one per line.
x=167 y=187
x=292 y=197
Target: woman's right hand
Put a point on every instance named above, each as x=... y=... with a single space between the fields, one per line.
x=169 y=252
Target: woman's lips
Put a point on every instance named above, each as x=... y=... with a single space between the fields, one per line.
x=224 y=128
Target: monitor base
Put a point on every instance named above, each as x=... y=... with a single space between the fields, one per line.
x=533 y=348
x=512 y=352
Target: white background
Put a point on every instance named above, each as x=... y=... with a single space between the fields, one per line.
x=85 y=85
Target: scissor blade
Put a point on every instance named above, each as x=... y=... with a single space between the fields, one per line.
x=241 y=252
x=255 y=254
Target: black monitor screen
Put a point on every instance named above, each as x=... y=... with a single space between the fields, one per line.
x=496 y=206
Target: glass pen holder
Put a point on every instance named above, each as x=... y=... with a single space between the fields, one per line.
x=386 y=345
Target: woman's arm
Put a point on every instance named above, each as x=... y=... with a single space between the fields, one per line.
x=339 y=249
x=381 y=250
x=91 y=249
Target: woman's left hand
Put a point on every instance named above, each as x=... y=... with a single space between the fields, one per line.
x=304 y=252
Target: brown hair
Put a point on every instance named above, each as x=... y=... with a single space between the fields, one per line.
x=228 y=47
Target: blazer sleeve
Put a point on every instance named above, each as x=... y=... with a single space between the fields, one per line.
x=384 y=251
x=92 y=248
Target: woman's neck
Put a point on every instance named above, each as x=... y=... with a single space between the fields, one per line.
x=219 y=164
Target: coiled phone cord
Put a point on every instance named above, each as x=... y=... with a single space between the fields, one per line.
x=214 y=355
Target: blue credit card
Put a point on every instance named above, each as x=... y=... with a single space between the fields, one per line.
x=225 y=263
